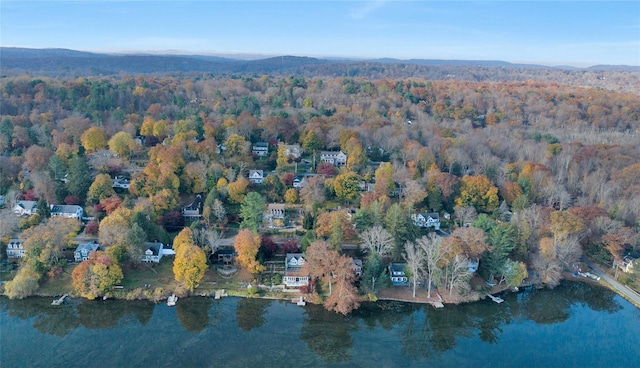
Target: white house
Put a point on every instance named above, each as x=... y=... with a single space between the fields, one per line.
x=260 y=149
x=153 y=252
x=120 y=183
x=431 y=219
x=627 y=263
x=15 y=248
x=336 y=158
x=25 y=208
x=256 y=176
x=398 y=277
x=83 y=251
x=293 y=275
x=473 y=264
x=67 y=211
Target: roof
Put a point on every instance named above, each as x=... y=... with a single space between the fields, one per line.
x=433 y=215
x=65 y=208
x=397 y=267
x=88 y=246
x=27 y=205
x=155 y=247
x=275 y=206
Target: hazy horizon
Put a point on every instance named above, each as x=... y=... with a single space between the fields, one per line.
x=553 y=33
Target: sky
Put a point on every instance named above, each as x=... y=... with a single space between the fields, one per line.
x=579 y=33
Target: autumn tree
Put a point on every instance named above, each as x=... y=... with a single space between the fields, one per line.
x=237 y=189
x=93 y=139
x=251 y=211
x=101 y=188
x=46 y=242
x=336 y=273
x=478 y=191
x=247 y=244
x=346 y=186
x=189 y=266
x=384 y=180
x=23 y=284
x=97 y=275
x=114 y=229
x=122 y=144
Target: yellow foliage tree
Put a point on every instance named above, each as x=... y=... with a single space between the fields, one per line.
x=291 y=195
x=93 y=139
x=189 y=266
x=479 y=192
x=247 y=244
x=184 y=237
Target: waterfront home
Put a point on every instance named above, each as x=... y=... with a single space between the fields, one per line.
x=336 y=158
x=25 y=208
x=66 y=211
x=256 y=176
x=153 y=252
x=627 y=263
x=293 y=274
x=194 y=209
x=260 y=149
x=15 y=248
x=83 y=251
x=1 y=201
x=397 y=274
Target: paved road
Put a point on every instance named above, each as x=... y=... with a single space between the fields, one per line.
x=616 y=285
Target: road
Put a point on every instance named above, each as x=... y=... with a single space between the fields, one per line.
x=630 y=294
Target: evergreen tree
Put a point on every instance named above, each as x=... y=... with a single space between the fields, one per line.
x=79 y=177
x=251 y=211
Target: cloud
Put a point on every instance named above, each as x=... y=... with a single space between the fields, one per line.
x=369 y=7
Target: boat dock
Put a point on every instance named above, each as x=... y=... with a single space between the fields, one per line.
x=220 y=294
x=496 y=299
x=437 y=305
x=59 y=300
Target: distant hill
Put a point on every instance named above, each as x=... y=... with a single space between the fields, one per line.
x=63 y=63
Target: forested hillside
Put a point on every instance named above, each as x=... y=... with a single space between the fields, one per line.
x=533 y=173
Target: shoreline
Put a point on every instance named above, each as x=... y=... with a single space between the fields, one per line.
x=291 y=296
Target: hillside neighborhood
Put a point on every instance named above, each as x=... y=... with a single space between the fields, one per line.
x=338 y=191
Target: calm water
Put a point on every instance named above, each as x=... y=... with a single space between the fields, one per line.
x=573 y=325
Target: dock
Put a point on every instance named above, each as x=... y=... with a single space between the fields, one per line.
x=220 y=294
x=496 y=299
x=59 y=300
x=300 y=302
x=437 y=305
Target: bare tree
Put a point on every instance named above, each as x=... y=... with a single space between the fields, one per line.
x=433 y=253
x=377 y=240
x=465 y=214
x=214 y=238
x=457 y=274
x=8 y=222
x=414 y=256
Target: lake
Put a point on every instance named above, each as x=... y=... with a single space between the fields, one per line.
x=573 y=325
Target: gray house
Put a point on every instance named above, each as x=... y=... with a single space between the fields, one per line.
x=83 y=251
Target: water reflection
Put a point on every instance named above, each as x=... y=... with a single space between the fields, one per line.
x=384 y=330
x=333 y=344
x=193 y=313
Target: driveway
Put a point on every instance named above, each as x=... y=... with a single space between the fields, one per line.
x=623 y=289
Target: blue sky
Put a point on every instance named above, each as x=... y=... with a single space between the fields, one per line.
x=547 y=32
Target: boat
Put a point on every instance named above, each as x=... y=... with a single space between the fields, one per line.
x=301 y=302
x=172 y=300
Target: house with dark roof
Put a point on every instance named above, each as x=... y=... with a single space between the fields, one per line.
x=83 y=251
x=66 y=211
x=397 y=274
x=194 y=209
x=260 y=149
x=153 y=252
x=293 y=274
